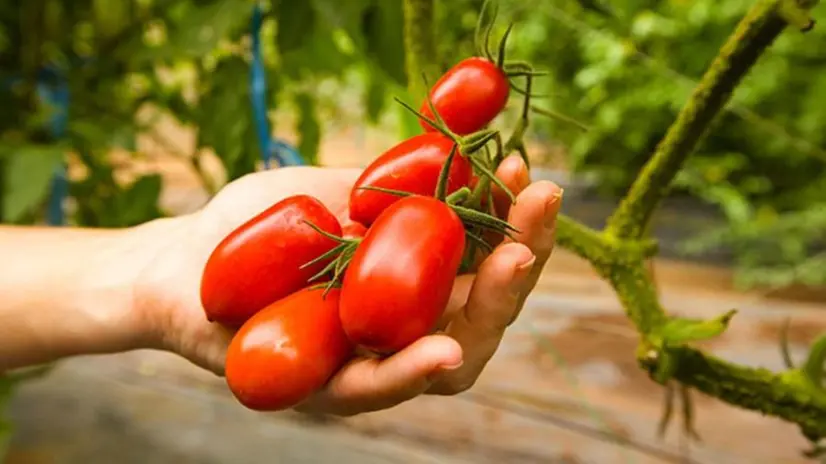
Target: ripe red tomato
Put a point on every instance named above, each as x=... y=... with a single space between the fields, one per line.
x=258 y=262
x=400 y=278
x=287 y=351
x=411 y=166
x=468 y=96
x=353 y=230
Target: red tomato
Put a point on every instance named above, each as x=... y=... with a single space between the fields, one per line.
x=411 y=166
x=401 y=275
x=258 y=262
x=468 y=96
x=287 y=351
x=353 y=230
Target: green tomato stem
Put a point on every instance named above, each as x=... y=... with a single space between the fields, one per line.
x=444 y=175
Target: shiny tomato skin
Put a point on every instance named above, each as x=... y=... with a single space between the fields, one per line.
x=258 y=262
x=401 y=275
x=353 y=230
x=411 y=166
x=287 y=351
x=468 y=96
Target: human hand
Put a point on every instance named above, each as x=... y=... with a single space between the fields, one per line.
x=481 y=307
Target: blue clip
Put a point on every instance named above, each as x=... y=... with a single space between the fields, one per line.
x=282 y=152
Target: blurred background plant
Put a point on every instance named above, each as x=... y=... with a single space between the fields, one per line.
x=623 y=72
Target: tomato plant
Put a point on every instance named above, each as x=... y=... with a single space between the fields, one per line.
x=410 y=166
x=400 y=277
x=468 y=96
x=261 y=261
x=287 y=351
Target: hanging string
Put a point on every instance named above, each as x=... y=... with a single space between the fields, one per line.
x=54 y=90
x=283 y=153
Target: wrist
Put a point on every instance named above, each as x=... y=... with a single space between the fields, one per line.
x=75 y=291
x=100 y=290
x=131 y=278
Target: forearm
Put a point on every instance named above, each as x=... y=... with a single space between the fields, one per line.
x=67 y=291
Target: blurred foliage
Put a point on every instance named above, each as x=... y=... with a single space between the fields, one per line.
x=627 y=74
x=186 y=58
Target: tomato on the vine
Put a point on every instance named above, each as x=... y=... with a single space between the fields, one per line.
x=411 y=166
x=399 y=280
x=353 y=230
x=468 y=96
x=287 y=351
x=260 y=261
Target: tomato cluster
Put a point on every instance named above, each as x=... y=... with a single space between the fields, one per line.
x=304 y=291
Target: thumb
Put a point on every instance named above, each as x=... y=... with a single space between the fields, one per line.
x=368 y=384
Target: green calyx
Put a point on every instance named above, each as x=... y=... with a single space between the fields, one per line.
x=484 y=31
x=468 y=144
x=339 y=256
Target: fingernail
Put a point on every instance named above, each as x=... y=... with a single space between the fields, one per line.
x=451 y=367
x=442 y=369
x=520 y=274
x=552 y=207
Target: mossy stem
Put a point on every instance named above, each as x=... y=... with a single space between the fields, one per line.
x=753 y=35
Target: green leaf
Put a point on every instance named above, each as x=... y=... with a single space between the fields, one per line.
x=308 y=127
x=408 y=122
x=139 y=201
x=224 y=118
x=344 y=15
x=27 y=177
x=678 y=331
x=111 y=16
x=666 y=366
x=195 y=30
x=375 y=97
x=296 y=23
x=814 y=367
x=383 y=27
x=319 y=55
x=597 y=7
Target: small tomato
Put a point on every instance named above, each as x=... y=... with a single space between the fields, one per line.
x=287 y=351
x=411 y=166
x=468 y=96
x=259 y=262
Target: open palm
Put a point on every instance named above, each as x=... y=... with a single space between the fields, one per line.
x=482 y=305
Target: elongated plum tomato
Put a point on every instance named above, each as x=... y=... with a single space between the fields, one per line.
x=287 y=351
x=258 y=262
x=468 y=96
x=401 y=275
x=411 y=166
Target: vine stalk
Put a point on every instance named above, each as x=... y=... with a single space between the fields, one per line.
x=755 y=33
x=420 y=44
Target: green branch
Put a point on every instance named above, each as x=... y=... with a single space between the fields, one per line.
x=758 y=29
x=619 y=253
x=786 y=395
x=419 y=44
x=622 y=263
